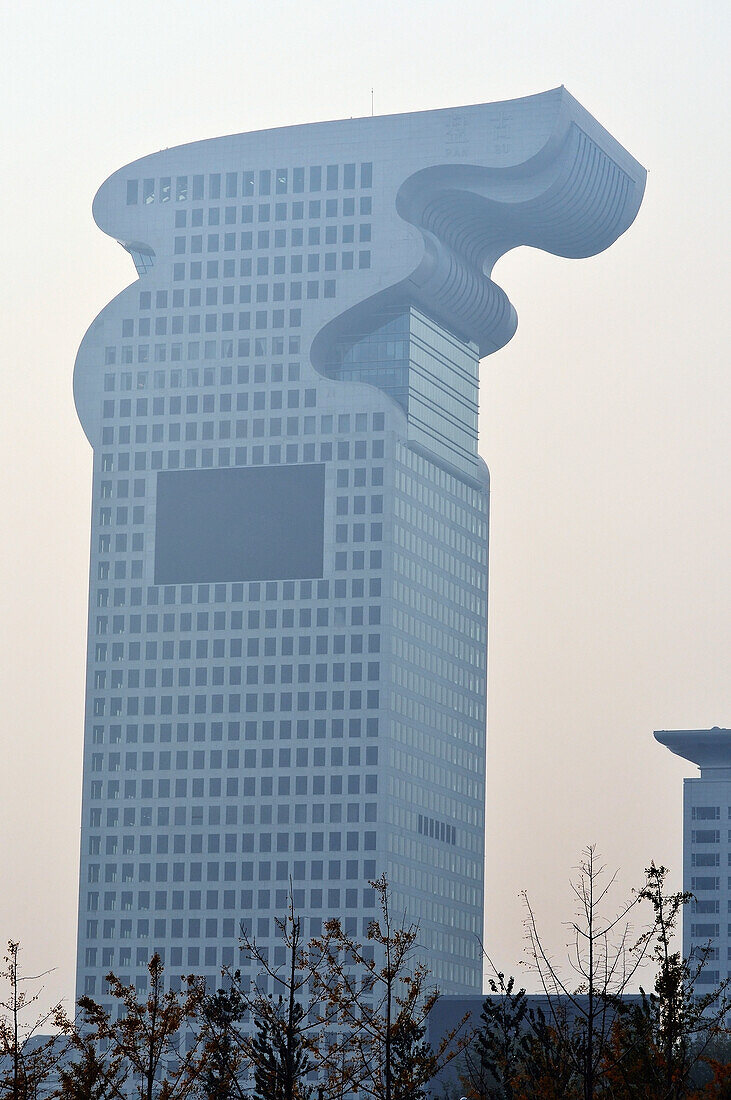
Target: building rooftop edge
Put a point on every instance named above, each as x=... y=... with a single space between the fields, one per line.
x=708 y=748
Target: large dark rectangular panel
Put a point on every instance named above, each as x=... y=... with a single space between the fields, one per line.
x=255 y=523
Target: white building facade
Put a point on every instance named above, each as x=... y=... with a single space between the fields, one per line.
x=706 y=847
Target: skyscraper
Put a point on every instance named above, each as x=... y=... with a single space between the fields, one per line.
x=706 y=849
x=288 y=592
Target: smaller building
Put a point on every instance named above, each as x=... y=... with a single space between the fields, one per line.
x=706 y=846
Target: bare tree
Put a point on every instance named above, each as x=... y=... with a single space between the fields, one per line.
x=603 y=958
x=27 y=1057
x=291 y=1032
x=379 y=997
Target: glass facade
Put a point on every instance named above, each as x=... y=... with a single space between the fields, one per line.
x=432 y=374
x=279 y=687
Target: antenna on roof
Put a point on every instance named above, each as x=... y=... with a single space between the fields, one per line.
x=371 y=103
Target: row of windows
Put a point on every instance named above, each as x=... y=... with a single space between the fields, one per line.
x=195 y=350
x=707 y=906
x=303 y=673
x=355 y=615
x=420 y=714
x=316 y=209
x=440 y=491
x=260 y=346
x=708 y=836
x=266 y=841
x=314 y=238
x=267 y=702
x=253 y=427
x=232 y=813
x=454 y=785
x=705 y=931
x=441 y=859
x=213 y=759
x=228 y=871
x=181 y=843
x=176 y=323
x=416 y=877
x=707 y=859
x=265 y=181
x=213 y=958
x=707 y=813
x=270 y=648
x=194 y=928
x=437 y=638
x=431 y=594
x=228 y=593
x=260 y=401
x=417 y=766
x=267 y=647
x=207 y=376
x=424 y=549
x=441 y=519
x=452 y=751
x=296 y=262
x=251 y=730
x=437 y=830
x=213 y=900
x=441 y=913
x=205 y=405
x=193 y=457
x=433 y=663
x=228 y=268
x=246 y=242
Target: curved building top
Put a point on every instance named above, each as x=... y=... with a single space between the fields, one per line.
x=452 y=189
x=709 y=749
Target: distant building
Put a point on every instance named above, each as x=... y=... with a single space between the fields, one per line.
x=706 y=846
x=287 y=655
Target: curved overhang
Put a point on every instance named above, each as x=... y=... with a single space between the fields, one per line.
x=453 y=190
x=706 y=748
x=574 y=194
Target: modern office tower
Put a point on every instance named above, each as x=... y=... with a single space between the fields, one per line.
x=706 y=846
x=287 y=625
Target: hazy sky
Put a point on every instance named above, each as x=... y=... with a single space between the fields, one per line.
x=605 y=422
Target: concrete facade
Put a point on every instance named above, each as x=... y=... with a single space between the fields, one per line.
x=706 y=847
x=288 y=592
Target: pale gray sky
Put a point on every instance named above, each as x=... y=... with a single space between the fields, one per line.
x=605 y=422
